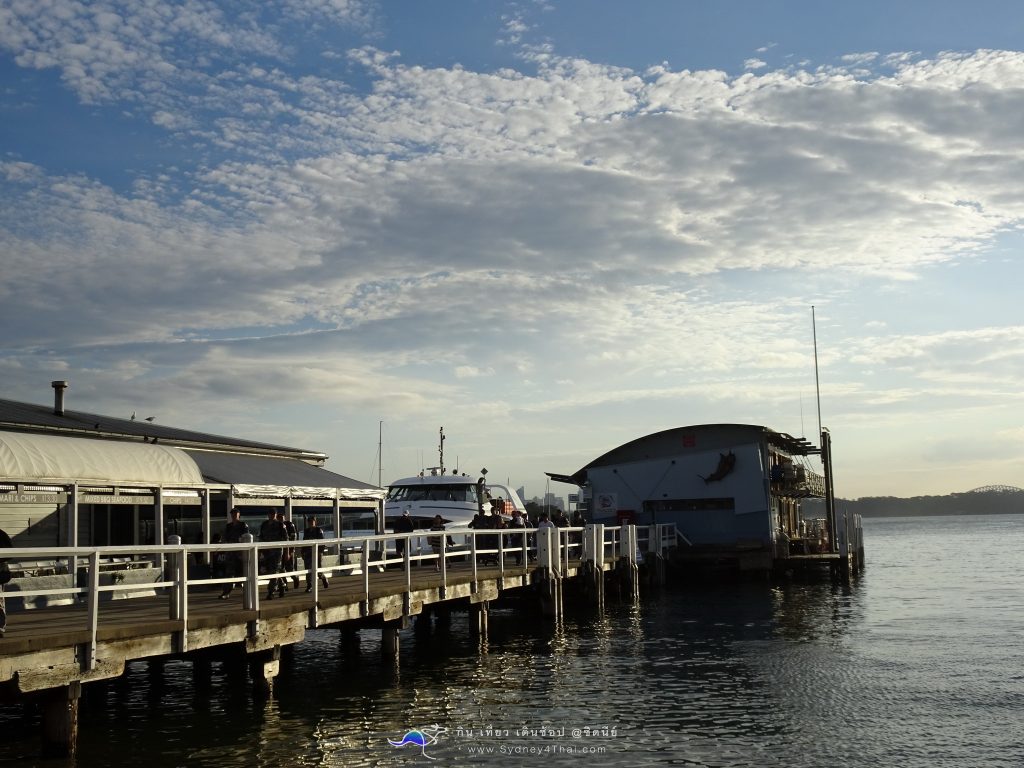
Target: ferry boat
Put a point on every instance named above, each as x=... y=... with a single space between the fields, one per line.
x=457 y=498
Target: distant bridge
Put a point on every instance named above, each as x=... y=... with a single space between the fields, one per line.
x=996 y=489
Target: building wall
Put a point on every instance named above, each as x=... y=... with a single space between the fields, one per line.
x=31 y=525
x=671 y=489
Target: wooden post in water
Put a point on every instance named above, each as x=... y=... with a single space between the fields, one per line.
x=860 y=542
x=593 y=564
x=478 y=615
x=264 y=668
x=654 y=558
x=550 y=581
x=628 y=572
x=202 y=672
x=350 y=640
x=846 y=549
x=389 y=645
x=830 y=499
x=60 y=720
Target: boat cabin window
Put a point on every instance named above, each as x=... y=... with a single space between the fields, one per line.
x=461 y=492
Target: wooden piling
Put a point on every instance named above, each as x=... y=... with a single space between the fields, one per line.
x=264 y=667
x=592 y=584
x=60 y=720
x=550 y=593
x=202 y=673
x=478 y=616
x=350 y=640
x=389 y=645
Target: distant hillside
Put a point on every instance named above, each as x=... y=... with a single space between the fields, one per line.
x=1000 y=502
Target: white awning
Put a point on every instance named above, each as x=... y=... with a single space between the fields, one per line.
x=307 y=492
x=37 y=458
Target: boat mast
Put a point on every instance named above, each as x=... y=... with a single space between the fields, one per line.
x=817 y=385
x=380 y=453
x=440 y=450
x=825 y=451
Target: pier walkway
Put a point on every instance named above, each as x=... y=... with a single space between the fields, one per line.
x=131 y=603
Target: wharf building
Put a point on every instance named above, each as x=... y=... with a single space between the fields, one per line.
x=733 y=492
x=71 y=478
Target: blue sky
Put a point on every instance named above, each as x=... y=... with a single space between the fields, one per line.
x=550 y=227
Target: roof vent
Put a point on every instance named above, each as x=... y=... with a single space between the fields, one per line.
x=58 y=396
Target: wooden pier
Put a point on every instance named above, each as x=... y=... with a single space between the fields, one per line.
x=71 y=635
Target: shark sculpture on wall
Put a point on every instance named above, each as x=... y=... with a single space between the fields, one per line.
x=726 y=464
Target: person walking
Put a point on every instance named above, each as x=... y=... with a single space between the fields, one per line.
x=313 y=531
x=288 y=556
x=5 y=576
x=403 y=524
x=233 y=532
x=273 y=530
x=436 y=542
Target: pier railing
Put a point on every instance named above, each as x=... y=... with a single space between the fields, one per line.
x=92 y=576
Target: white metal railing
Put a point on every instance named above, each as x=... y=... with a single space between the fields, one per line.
x=91 y=572
x=658 y=538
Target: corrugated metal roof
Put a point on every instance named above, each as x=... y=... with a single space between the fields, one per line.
x=18 y=416
x=241 y=469
x=667 y=442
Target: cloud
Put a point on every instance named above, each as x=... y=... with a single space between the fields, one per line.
x=429 y=236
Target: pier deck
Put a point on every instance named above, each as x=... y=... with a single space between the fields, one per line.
x=141 y=627
x=70 y=635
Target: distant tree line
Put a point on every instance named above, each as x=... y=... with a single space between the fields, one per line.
x=971 y=503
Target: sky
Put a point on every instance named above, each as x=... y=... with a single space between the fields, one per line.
x=548 y=227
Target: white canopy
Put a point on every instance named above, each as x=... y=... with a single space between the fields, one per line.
x=300 y=492
x=53 y=458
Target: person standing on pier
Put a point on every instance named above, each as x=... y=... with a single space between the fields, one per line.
x=436 y=543
x=233 y=533
x=288 y=556
x=313 y=531
x=273 y=530
x=5 y=576
x=515 y=541
x=403 y=524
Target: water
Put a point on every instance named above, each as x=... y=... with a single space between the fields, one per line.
x=917 y=663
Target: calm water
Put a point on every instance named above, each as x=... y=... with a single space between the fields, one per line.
x=917 y=663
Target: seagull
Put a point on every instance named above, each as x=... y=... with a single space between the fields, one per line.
x=133 y=416
x=150 y=418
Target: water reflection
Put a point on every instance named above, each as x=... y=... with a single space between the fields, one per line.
x=692 y=670
x=731 y=675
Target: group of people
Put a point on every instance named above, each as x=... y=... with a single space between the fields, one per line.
x=273 y=560
x=497 y=522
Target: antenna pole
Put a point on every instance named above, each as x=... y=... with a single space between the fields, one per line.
x=440 y=450
x=817 y=385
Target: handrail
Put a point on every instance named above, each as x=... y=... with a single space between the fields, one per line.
x=371 y=552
